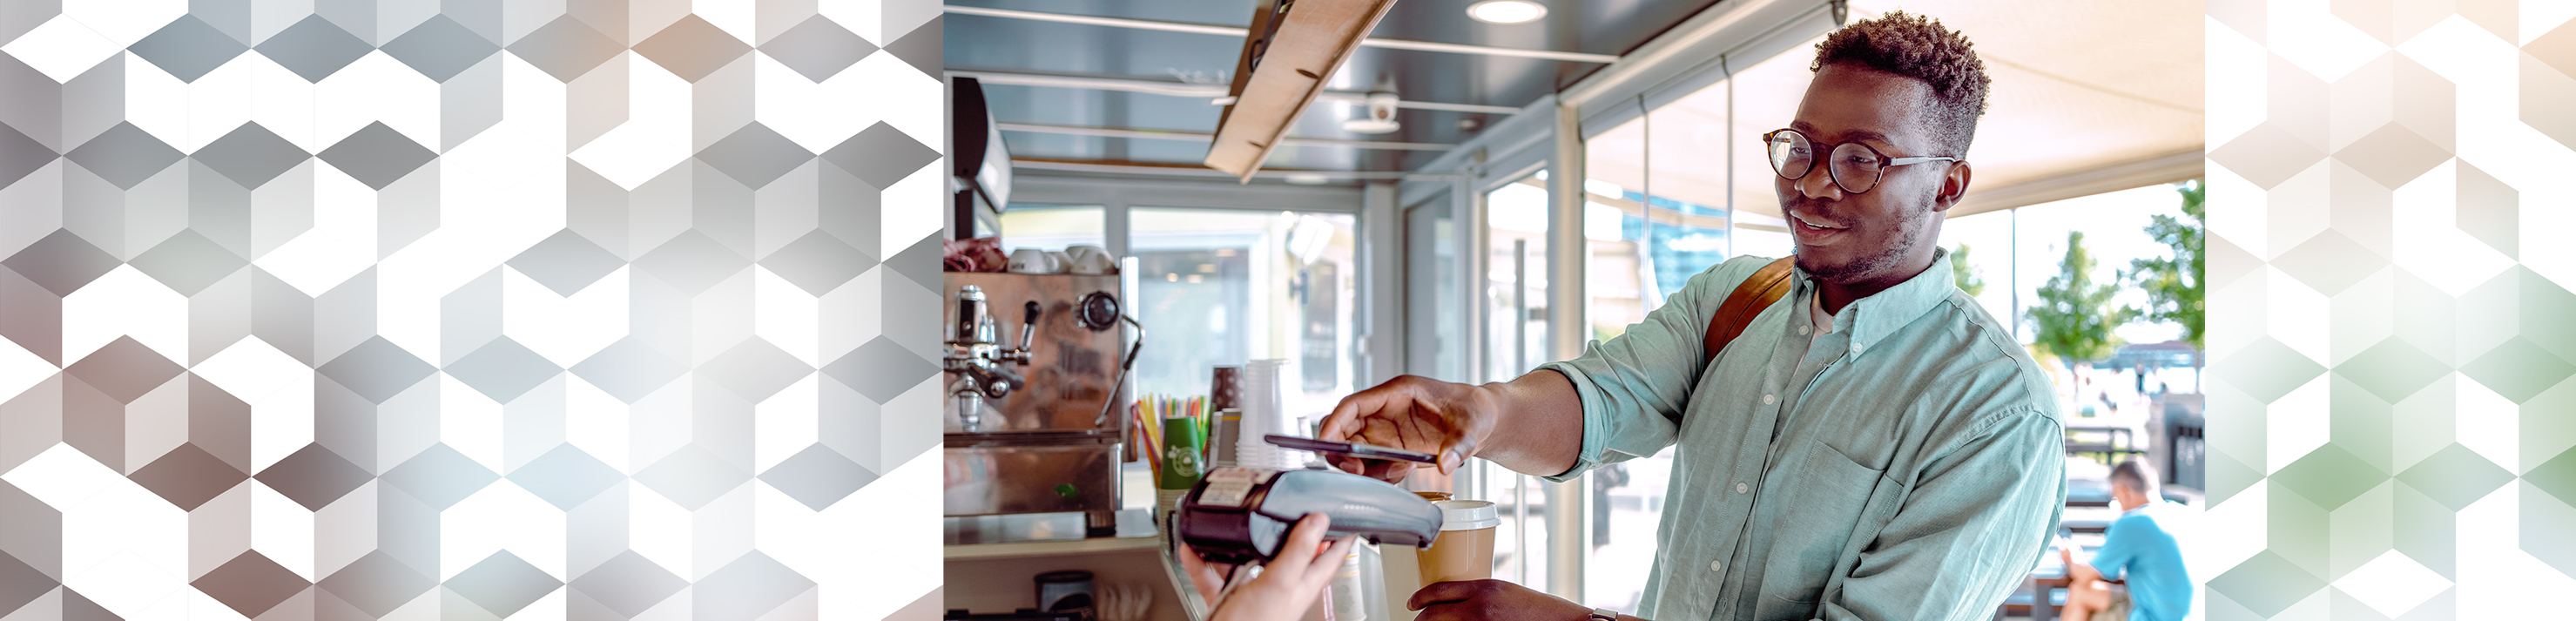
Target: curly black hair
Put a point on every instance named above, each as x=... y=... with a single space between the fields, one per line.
x=1918 y=47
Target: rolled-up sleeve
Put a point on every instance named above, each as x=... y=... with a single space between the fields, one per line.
x=1969 y=532
x=1634 y=386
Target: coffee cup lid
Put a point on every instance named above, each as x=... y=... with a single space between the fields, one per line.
x=1467 y=514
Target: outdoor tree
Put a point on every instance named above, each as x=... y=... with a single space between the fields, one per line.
x=2175 y=286
x=2074 y=317
x=1966 y=278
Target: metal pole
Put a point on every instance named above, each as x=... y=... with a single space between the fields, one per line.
x=1567 y=330
x=1520 y=307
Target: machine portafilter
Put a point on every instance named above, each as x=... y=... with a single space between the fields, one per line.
x=977 y=355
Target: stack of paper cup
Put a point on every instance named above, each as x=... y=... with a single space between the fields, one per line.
x=1262 y=416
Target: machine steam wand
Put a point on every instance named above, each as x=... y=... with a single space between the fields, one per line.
x=976 y=354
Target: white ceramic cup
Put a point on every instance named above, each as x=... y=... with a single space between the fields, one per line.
x=1032 y=261
x=1058 y=261
x=1090 y=260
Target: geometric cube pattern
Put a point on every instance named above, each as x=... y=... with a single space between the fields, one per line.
x=2392 y=410
x=470 y=310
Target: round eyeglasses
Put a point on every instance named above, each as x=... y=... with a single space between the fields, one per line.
x=1855 y=167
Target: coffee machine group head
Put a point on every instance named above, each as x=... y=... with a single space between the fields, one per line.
x=978 y=357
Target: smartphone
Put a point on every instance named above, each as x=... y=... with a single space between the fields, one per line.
x=1364 y=451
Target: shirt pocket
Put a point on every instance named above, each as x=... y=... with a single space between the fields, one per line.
x=1827 y=498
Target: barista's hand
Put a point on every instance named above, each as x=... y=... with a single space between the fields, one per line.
x=1286 y=587
x=1474 y=600
x=1416 y=414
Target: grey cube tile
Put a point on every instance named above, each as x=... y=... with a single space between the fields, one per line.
x=692 y=477
x=919 y=263
x=440 y=477
x=629 y=584
x=691 y=262
x=314 y=48
x=187 y=476
x=503 y=369
x=251 y=155
x=377 y=155
x=440 y=48
x=124 y=155
x=566 y=48
x=818 y=476
x=629 y=369
x=881 y=370
x=124 y=369
x=819 y=48
x=20 y=583
x=755 y=155
x=250 y=584
x=21 y=155
x=314 y=477
x=376 y=369
x=566 y=262
x=922 y=47
x=188 y=48
x=188 y=262
x=566 y=477
x=755 y=369
x=377 y=583
x=818 y=262
x=503 y=583
x=881 y=155
x=692 y=48
x=746 y=588
x=61 y=262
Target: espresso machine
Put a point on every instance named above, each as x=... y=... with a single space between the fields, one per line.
x=1036 y=424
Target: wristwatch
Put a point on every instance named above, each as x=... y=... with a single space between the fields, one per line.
x=1603 y=614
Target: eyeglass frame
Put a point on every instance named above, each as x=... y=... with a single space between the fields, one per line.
x=1884 y=162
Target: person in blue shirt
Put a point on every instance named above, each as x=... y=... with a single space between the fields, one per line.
x=2138 y=574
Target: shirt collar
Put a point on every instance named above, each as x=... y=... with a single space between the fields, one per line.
x=1872 y=318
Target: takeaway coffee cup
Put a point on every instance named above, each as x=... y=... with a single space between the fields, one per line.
x=1465 y=548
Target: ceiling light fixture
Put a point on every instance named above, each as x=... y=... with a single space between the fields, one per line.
x=1506 y=11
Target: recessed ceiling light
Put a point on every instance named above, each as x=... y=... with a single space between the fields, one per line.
x=1308 y=178
x=1506 y=11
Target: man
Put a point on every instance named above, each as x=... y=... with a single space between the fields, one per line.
x=2142 y=547
x=1873 y=446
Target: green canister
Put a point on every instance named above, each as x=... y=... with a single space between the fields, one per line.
x=1184 y=460
x=1184 y=453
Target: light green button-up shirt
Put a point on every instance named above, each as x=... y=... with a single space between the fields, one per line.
x=1907 y=465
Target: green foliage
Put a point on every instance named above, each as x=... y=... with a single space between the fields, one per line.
x=1959 y=273
x=2175 y=287
x=2074 y=318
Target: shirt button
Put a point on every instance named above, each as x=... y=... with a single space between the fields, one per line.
x=1769 y=399
x=1802 y=330
x=1740 y=487
x=1717 y=565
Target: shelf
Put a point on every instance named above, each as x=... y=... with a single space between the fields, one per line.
x=1049 y=548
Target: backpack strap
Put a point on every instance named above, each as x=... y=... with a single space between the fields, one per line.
x=1767 y=285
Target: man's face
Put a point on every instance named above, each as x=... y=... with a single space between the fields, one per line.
x=1885 y=234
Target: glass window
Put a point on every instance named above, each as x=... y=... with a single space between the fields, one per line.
x=1052 y=227
x=1217 y=287
x=1434 y=319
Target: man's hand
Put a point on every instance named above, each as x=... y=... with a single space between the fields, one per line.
x=1416 y=414
x=1473 y=600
